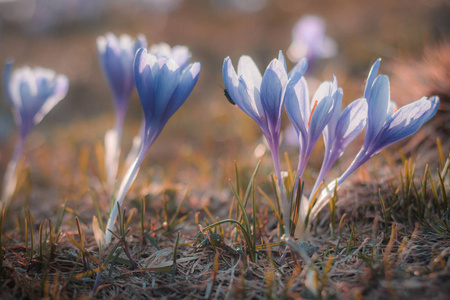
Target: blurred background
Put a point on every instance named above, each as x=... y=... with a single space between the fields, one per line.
x=201 y=141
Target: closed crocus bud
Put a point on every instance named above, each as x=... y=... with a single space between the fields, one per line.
x=32 y=94
x=116 y=56
x=163 y=86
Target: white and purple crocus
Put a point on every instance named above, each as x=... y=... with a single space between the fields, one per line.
x=262 y=98
x=163 y=85
x=32 y=94
x=384 y=126
x=116 y=56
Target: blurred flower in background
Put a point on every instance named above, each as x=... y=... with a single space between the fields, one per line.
x=309 y=40
x=162 y=6
x=245 y=6
x=116 y=55
x=44 y=15
x=32 y=94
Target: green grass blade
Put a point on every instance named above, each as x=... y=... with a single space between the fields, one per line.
x=244 y=213
x=250 y=184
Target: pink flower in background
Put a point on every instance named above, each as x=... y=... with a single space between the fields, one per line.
x=309 y=40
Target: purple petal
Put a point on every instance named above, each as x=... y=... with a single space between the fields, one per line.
x=299 y=68
x=378 y=104
x=406 y=121
x=351 y=122
x=249 y=71
x=272 y=88
x=145 y=81
x=239 y=91
x=325 y=89
x=181 y=55
x=116 y=55
x=188 y=80
x=282 y=59
x=247 y=102
x=319 y=119
x=230 y=79
x=371 y=78
x=168 y=79
x=297 y=105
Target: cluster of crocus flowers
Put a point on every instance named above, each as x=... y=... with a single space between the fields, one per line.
x=116 y=56
x=32 y=94
x=263 y=100
x=163 y=81
x=384 y=125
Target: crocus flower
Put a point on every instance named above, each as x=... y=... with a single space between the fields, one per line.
x=309 y=120
x=262 y=98
x=182 y=56
x=309 y=40
x=116 y=56
x=163 y=86
x=32 y=94
x=341 y=130
x=385 y=126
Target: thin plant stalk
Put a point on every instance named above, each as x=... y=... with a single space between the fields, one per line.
x=284 y=200
x=127 y=181
x=112 y=148
x=10 y=179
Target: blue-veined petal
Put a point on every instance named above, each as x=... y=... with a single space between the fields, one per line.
x=145 y=83
x=329 y=89
x=406 y=121
x=325 y=89
x=113 y=65
x=246 y=101
x=282 y=60
x=231 y=81
x=319 y=119
x=351 y=122
x=188 y=80
x=378 y=105
x=272 y=89
x=169 y=78
x=239 y=91
x=371 y=78
x=299 y=68
x=181 y=55
x=297 y=105
x=328 y=132
x=249 y=71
